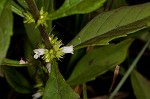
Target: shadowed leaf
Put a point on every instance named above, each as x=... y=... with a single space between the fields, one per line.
x=98 y=61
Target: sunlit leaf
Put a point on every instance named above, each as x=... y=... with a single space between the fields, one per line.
x=71 y=7
x=57 y=88
x=113 y=24
x=140 y=85
x=98 y=61
x=6 y=24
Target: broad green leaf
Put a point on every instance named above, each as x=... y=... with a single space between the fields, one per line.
x=16 y=80
x=71 y=7
x=9 y=62
x=3 y=3
x=98 y=61
x=140 y=85
x=113 y=24
x=56 y=87
x=6 y=25
x=33 y=34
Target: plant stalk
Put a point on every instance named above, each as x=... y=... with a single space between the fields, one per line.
x=129 y=70
x=36 y=14
x=84 y=91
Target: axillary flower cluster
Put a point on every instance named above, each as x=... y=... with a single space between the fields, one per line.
x=41 y=21
x=56 y=52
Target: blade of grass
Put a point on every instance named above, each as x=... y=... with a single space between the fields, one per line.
x=129 y=70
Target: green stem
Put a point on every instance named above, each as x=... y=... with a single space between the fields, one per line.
x=36 y=14
x=129 y=70
x=84 y=91
x=108 y=5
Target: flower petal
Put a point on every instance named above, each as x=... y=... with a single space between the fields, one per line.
x=48 y=66
x=36 y=95
x=67 y=49
x=38 y=52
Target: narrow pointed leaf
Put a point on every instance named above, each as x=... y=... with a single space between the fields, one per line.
x=6 y=24
x=113 y=24
x=71 y=7
x=140 y=85
x=98 y=61
x=17 y=9
x=57 y=88
x=9 y=62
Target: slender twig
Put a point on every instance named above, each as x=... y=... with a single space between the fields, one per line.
x=129 y=70
x=84 y=91
x=36 y=14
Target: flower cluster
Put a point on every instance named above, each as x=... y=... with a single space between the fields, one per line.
x=41 y=21
x=28 y=18
x=56 y=52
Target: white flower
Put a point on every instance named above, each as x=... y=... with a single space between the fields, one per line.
x=36 y=95
x=38 y=52
x=67 y=49
x=23 y=62
x=48 y=66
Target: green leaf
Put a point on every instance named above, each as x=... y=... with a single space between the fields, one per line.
x=71 y=7
x=140 y=85
x=9 y=62
x=98 y=61
x=113 y=24
x=17 y=9
x=33 y=34
x=6 y=26
x=2 y=5
x=56 y=87
x=16 y=80
x=23 y=3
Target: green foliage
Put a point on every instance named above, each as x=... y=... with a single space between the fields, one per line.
x=56 y=86
x=3 y=4
x=71 y=7
x=9 y=62
x=17 y=81
x=6 y=25
x=113 y=24
x=17 y=9
x=98 y=61
x=140 y=85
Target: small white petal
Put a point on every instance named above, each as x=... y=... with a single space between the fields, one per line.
x=22 y=62
x=36 y=95
x=36 y=56
x=48 y=66
x=38 y=52
x=67 y=49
